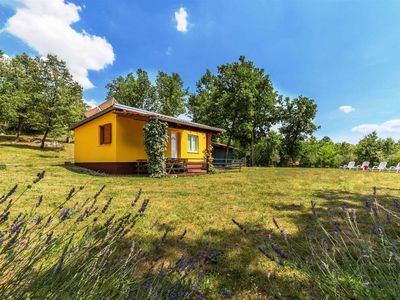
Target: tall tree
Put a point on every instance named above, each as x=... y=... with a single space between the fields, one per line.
x=19 y=89
x=369 y=148
x=136 y=91
x=169 y=94
x=60 y=103
x=240 y=99
x=296 y=117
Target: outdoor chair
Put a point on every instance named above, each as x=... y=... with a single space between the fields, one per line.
x=349 y=166
x=394 y=168
x=381 y=167
x=364 y=166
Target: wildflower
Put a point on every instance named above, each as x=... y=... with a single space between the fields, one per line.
x=279 y=251
x=137 y=197
x=64 y=214
x=108 y=222
x=39 y=176
x=107 y=205
x=49 y=219
x=241 y=227
x=143 y=207
x=39 y=201
x=368 y=207
x=314 y=211
x=71 y=193
x=99 y=192
x=49 y=236
x=9 y=194
x=61 y=260
x=182 y=235
x=376 y=229
x=4 y=217
x=275 y=223
x=263 y=251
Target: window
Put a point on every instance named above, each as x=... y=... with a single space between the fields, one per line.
x=105 y=134
x=193 y=143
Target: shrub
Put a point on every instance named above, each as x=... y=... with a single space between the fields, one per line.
x=155 y=141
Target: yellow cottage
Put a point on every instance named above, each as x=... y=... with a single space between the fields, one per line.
x=111 y=140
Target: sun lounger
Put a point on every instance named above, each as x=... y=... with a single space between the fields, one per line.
x=394 y=168
x=381 y=167
x=364 y=166
x=349 y=166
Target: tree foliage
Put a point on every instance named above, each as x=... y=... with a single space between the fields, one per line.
x=167 y=96
x=297 y=124
x=155 y=141
x=40 y=94
x=239 y=98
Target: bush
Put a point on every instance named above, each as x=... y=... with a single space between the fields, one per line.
x=155 y=141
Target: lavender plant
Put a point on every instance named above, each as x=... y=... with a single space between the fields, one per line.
x=70 y=253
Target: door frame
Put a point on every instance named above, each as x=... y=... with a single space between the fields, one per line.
x=176 y=144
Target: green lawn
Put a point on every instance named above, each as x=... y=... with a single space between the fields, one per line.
x=205 y=205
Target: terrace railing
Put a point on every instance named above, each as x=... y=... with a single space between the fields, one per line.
x=194 y=165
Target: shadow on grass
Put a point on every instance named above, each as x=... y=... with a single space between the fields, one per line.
x=32 y=147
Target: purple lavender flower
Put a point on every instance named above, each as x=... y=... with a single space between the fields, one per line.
x=9 y=194
x=107 y=205
x=64 y=214
x=39 y=176
x=99 y=192
x=49 y=236
x=71 y=193
x=39 y=201
x=143 y=207
x=264 y=251
x=49 y=219
x=279 y=251
x=165 y=233
x=137 y=197
x=108 y=222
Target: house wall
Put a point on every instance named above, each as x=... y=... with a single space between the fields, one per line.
x=127 y=141
x=87 y=141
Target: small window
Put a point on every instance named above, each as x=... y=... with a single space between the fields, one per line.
x=105 y=134
x=193 y=143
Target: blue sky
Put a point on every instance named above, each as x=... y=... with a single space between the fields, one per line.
x=340 y=53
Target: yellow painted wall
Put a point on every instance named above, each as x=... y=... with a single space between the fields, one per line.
x=127 y=141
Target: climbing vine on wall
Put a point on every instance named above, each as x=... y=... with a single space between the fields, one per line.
x=155 y=141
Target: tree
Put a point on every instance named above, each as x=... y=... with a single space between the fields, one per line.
x=19 y=89
x=60 y=102
x=133 y=91
x=345 y=153
x=296 y=117
x=169 y=94
x=369 y=148
x=266 y=151
x=240 y=99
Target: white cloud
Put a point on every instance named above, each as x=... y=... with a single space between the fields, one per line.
x=391 y=127
x=181 y=20
x=45 y=25
x=346 y=109
x=90 y=102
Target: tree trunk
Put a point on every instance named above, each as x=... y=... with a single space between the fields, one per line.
x=19 y=128
x=252 y=147
x=44 y=138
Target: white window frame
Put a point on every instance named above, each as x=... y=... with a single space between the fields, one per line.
x=196 y=143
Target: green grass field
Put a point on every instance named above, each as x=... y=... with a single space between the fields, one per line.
x=205 y=205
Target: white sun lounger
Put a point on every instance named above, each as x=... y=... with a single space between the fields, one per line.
x=349 y=166
x=364 y=166
x=394 y=168
x=381 y=167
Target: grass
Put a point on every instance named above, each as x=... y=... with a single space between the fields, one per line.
x=205 y=206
